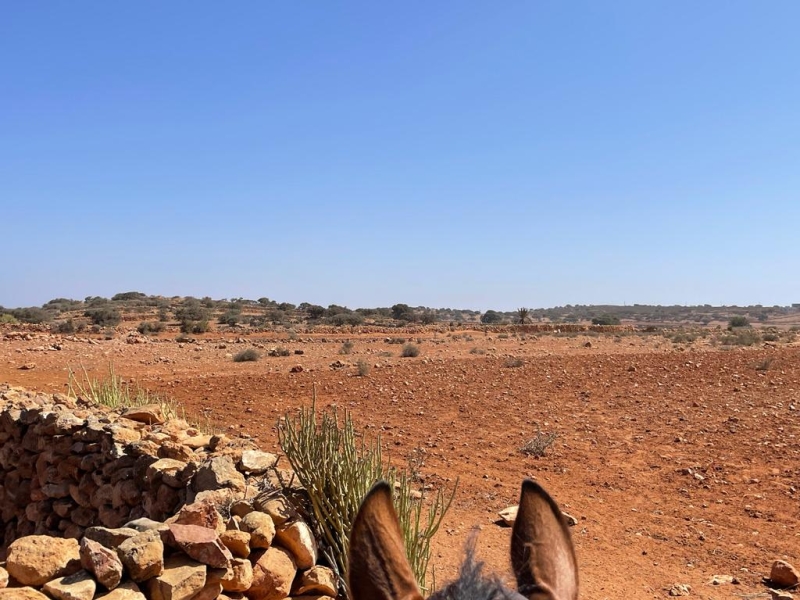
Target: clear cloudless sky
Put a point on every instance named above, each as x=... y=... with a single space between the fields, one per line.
x=449 y=154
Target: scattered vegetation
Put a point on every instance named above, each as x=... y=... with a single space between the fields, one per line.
x=410 y=350
x=605 y=320
x=248 y=355
x=112 y=391
x=738 y=321
x=347 y=348
x=513 y=362
x=477 y=350
x=150 y=327
x=337 y=467
x=743 y=336
x=537 y=446
x=363 y=367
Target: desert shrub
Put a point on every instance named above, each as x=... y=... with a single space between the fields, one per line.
x=428 y=317
x=605 y=320
x=513 y=362
x=771 y=336
x=194 y=327
x=396 y=340
x=8 y=319
x=32 y=314
x=128 y=296
x=490 y=317
x=502 y=336
x=64 y=327
x=683 y=337
x=347 y=348
x=230 y=318
x=741 y=337
x=338 y=467
x=363 y=368
x=477 y=351
x=410 y=350
x=163 y=314
x=104 y=317
x=280 y=351
x=150 y=327
x=738 y=321
x=537 y=446
x=249 y=355
x=765 y=364
x=345 y=318
x=112 y=391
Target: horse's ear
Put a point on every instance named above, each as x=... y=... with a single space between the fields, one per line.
x=542 y=554
x=378 y=568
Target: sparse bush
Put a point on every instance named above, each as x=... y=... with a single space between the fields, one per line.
x=347 y=348
x=491 y=317
x=337 y=467
x=396 y=340
x=32 y=315
x=64 y=327
x=771 y=336
x=738 y=321
x=765 y=364
x=537 y=446
x=363 y=368
x=410 y=350
x=8 y=319
x=230 y=318
x=513 y=362
x=150 y=327
x=280 y=351
x=194 y=327
x=741 y=337
x=605 y=320
x=477 y=351
x=502 y=336
x=104 y=317
x=249 y=355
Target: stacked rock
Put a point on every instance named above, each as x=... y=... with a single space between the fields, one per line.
x=125 y=504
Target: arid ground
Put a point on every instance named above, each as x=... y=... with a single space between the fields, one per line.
x=680 y=462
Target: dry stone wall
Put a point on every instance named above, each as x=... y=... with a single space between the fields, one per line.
x=101 y=503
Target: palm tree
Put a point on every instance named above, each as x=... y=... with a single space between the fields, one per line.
x=523 y=314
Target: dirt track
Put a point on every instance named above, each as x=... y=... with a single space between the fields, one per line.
x=679 y=465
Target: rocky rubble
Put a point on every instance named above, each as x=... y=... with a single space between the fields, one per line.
x=97 y=503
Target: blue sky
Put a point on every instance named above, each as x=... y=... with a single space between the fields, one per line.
x=447 y=154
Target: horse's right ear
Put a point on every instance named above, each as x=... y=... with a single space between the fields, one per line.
x=542 y=554
x=378 y=568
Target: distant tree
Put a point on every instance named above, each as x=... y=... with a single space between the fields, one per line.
x=128 y=296
x=738 y=321
x=428 y=317
x=230 y=317
x=286 y=306
x=104 y=317
x=491 y=317
x=403 y=312
x=523 y=315
x=605 y=320
x=315 y=311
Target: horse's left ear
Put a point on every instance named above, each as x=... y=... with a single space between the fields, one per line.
x=378 y=568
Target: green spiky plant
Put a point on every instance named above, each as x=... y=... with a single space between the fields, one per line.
x=337 y=467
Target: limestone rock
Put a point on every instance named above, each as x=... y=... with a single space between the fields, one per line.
x=142 y=555
x=202 y=513
x=261 y=528
x=110 y=538
x=3 y=578
x=36 y=559
x=273 y=572
x=298 y=539
x=79 y=586
x=277 y=507
x=256 y=462
x=238 y=542
x=508 y=515
x=318 y=580
x=151 y=414
x=240 y=576
x=784 y=575
x=200 y=543
x=219 y=472
x=181 y=579
x=102 y=562
x=126 y=591
x=22 y=593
